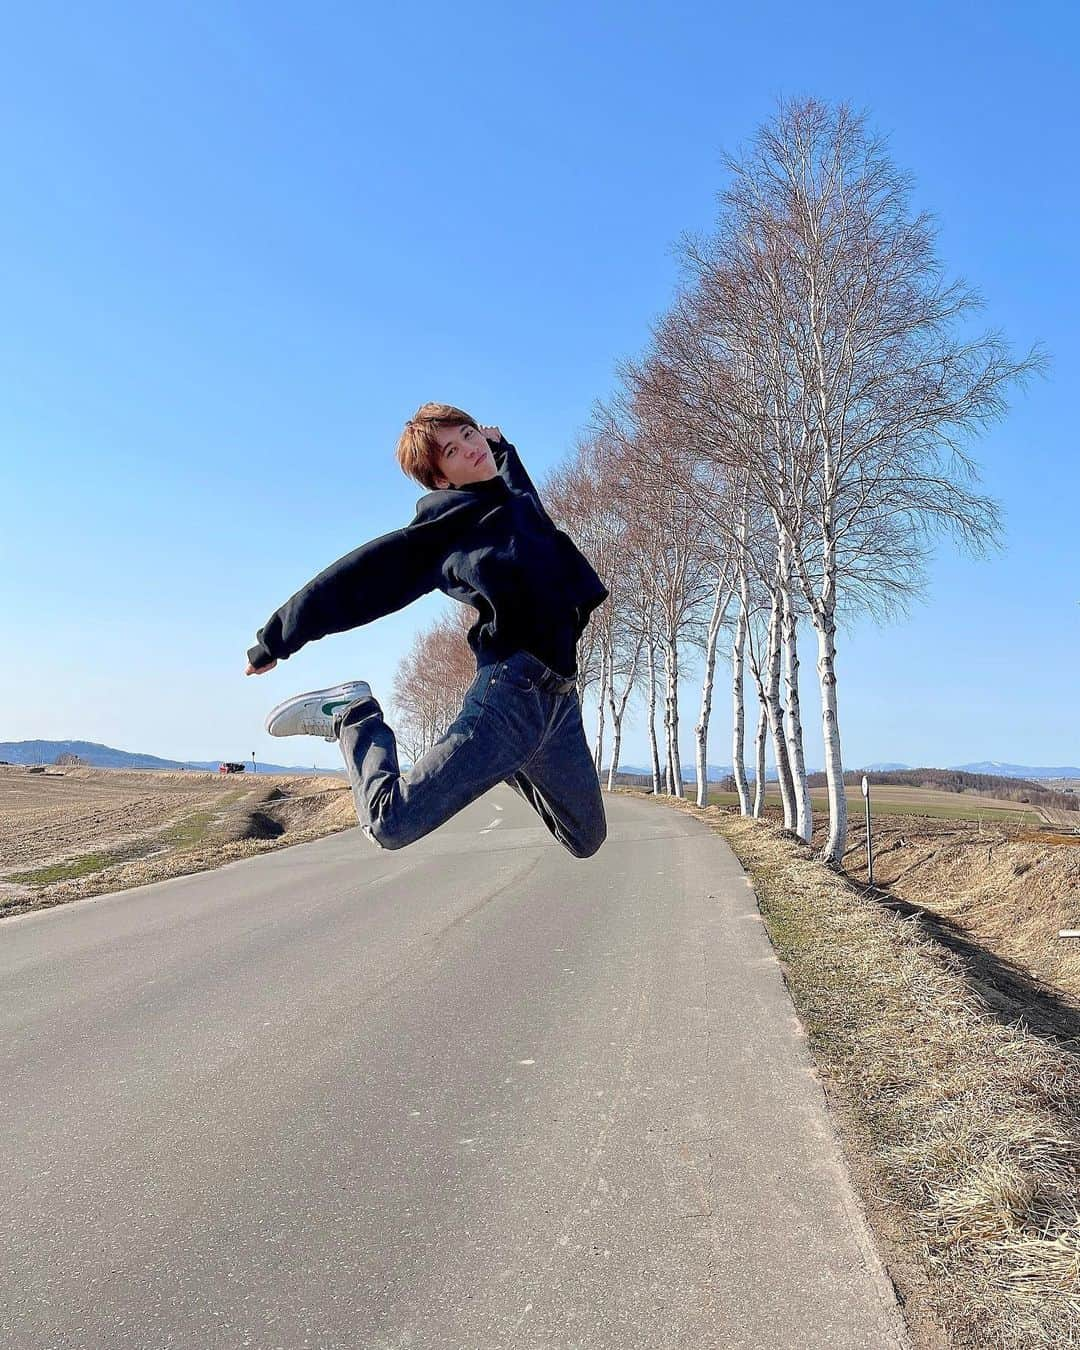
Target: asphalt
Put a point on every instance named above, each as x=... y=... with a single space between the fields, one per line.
x=476 y=1093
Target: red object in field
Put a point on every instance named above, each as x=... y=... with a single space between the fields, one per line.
x=229 y=766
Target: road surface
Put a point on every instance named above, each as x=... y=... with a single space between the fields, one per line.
x=476 y=1093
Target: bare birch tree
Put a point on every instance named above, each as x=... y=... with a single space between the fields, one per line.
x=585 y=499
x=431 y=681
x=646 y=445
x=859 y=392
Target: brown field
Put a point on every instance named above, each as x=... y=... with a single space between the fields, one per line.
x=900 y=799
x=82 y=831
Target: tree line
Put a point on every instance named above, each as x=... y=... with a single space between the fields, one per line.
x=963 y=780
x=782 y=456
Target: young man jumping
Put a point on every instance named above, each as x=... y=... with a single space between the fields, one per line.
x=482 y=536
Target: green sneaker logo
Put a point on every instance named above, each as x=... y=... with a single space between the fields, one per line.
x=328 y=708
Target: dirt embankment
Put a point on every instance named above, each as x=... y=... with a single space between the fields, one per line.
x=1010 y=891
x=90 y=831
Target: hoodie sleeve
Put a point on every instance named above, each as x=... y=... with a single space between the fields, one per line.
x=513 y=471
x=379 y=577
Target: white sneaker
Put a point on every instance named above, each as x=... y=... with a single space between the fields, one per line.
x=313 y=714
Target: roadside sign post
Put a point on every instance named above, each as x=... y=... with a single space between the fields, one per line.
x=254 y=768
x=869 y=844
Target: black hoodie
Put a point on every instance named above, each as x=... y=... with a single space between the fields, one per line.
x=488 y=544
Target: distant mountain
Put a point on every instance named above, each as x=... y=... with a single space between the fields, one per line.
x=100 y=756
x=105 y=757
x=1016 y=770
x=714 y=773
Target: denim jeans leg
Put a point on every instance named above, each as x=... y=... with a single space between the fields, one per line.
x=560 y=783
x=369 y=748
x=494 y=734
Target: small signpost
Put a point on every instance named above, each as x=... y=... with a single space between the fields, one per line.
x=869 y=845
x=253 y=768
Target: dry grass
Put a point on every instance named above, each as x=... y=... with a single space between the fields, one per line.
x=963 y=1127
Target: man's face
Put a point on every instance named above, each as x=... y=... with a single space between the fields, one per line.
x=464 y=457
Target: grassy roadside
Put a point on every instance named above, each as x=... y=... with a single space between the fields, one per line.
x=87 y=864
x=962 y=1128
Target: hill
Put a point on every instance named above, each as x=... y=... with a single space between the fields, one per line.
x=994 y=768
x=106 y=757
x=987 y=768
x=960 y=782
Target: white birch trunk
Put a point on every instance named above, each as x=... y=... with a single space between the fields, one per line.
x=671 y=716
x=669 y=781
x=738 y=712
x=825 y=616
x=776 y=713
x=760 y=738
x=618 y=712
x=653 y=748
x=804 y=817
x=601 y=710
x=616 y=742
x=701 y=731
x=738 y=669
x=836 y=844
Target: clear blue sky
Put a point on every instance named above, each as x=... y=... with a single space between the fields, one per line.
x=241 y=243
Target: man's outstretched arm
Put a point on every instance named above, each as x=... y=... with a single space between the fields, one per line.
x=379 y=577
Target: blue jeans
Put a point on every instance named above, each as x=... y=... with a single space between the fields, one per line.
x=509 y=730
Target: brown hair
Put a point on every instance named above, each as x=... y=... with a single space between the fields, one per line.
x=418 y=448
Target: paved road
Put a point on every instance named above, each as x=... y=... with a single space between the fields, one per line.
x=476 y=1093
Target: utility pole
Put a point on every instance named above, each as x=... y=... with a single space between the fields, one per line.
x=869 y=845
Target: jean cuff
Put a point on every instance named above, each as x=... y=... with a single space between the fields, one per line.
x=356 y=712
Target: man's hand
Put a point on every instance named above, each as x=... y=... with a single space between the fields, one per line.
x=261 y=670
x=492 y=434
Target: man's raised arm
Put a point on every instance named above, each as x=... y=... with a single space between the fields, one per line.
x=510 y=467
